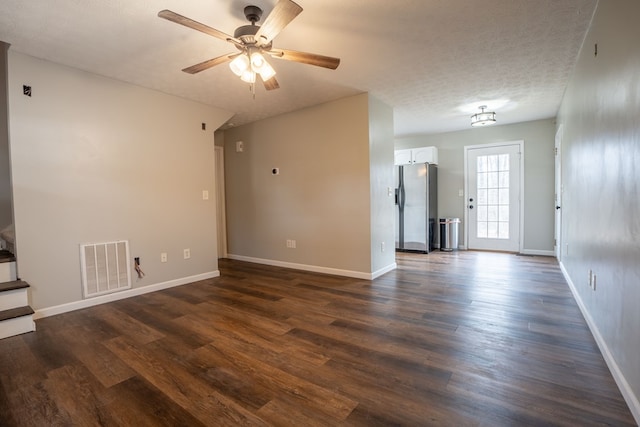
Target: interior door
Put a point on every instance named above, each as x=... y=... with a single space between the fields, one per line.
x=493 y=175
x=558 y=194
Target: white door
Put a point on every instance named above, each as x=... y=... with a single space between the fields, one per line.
x=493 y=182
x=558 y=196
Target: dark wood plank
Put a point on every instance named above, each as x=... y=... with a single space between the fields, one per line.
x=461 y=338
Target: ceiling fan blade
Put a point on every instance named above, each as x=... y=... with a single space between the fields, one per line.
x=190 y=23
x=210 y=63
x=306 y=58
x=271 y=84
x=283 y=13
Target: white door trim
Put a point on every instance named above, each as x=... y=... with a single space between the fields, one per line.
x=520 y=143
x=221 y=218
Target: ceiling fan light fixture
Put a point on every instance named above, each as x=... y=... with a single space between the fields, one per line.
x=239 y=65
x=248 y=76
x=484 y=118
x=257 y=61
x=253 y=42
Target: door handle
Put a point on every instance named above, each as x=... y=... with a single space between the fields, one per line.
x=557 y=208
x=470 y=206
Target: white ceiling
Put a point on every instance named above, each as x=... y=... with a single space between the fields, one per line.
x=425 y=58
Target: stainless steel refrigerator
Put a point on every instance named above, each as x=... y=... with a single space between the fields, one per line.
x=416 y=207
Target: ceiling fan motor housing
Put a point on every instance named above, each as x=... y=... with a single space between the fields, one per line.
x=247 y=33
x=253 y=13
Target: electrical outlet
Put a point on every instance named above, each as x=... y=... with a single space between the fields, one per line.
x=382 y=247
x=205 y=194
x=187 y=253
x=163 y=257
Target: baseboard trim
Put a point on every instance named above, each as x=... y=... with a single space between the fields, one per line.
x=313 y=268
x=537 y=252
x=90 y=302
x=618 y=376
x=384 y=270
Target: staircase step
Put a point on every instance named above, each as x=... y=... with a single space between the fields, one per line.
x=12 y=313
x=7 y=271
x=14 y=284
x=13 y=294
x=16 y=321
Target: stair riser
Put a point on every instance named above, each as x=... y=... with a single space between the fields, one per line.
x=17 y=326
x=13 y=299
x=7 y=271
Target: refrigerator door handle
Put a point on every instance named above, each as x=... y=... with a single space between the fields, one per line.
x=401 y=198
x=400 y=189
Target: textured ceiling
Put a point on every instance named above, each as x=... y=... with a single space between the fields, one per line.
x=425 y=58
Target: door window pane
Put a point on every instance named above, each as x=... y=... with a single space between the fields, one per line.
x=493 y=196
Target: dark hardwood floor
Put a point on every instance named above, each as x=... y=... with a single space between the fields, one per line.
x=463 y=338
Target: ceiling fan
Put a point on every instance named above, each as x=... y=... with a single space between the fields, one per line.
x=254 y=41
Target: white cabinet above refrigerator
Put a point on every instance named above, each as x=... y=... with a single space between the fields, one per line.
x=416 y=155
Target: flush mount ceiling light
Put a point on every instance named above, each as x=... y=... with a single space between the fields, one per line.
x=483 y=118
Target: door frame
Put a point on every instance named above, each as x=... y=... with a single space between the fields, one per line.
x=558 y=193
x=221 y=217
x=467 y=148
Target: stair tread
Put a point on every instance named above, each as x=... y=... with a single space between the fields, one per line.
x=12 y=313
x=15 y=284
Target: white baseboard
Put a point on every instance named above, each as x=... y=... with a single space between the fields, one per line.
x=90 y=302
x=538 y=252
x=314 y=268
x=618 y=376
x=384 y=270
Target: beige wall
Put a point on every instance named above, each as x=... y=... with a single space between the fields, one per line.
x=322 y=197
x=539 y=173
x=601 y=178
x=97 y=160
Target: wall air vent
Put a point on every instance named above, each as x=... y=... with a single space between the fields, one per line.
x=105 y=268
